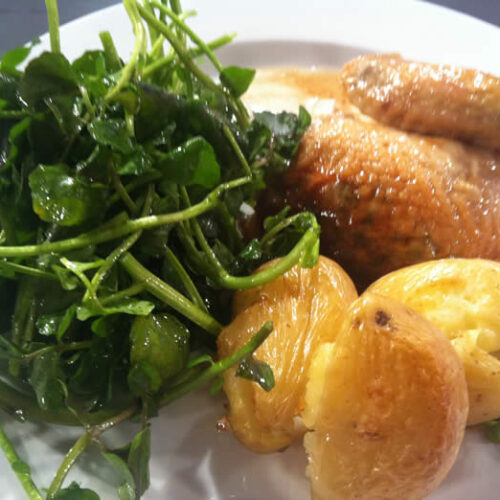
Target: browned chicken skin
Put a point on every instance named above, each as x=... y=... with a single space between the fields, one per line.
x=387 y=198
x=448 y=101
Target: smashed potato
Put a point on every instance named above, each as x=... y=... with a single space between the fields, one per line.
x=386 y=404
x=461 y=297
x=306 y=307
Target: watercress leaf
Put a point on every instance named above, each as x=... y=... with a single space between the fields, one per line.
x=63 y=199
x=256 y=371
x=237 y=79
x=252 y=251
x=92 y=62
x=138 y=460
x=48 y=75
x=493 y=431
x=259 y=136
x=159 y=109
x=126 y=489
x=13 y=58
x=66 y=112
x=67 y=279
x=100 y=326
x=162 y=341
x=282 y=124
x=304 y=121
x=74 y=492
x=9 y=86
x=45 y=377
x=193 y=162
x=135 y=164
x=111 y=132
x=56 y=324
x=16 y=139
x=144 y=379
x=130 y=306
x=274 y=220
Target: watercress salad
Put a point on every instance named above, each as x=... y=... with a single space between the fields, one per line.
x=122 y=190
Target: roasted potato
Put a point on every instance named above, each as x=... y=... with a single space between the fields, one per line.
x=461 y=297
x=386 y=405
x=306 y=307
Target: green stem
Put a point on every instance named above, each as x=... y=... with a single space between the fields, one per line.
x=132 y=290
x=277 y=229
x=106 y=233
x=3 y=236
x=218 y=368
x=177 y=20
x=183 y=28
x=139 y=182
x=182 y=52
x=155 y=286
x=30 y=271
x=186 y=279
x=115 y=420
x=70 y=458
x=110 y=261
x=72 y=346
x=139 y=48
x=22 y=323
x=308 y=240
x=53 y=18
x=115 y=255
x=236 y=148
x=121 y=191
x=22 y=473
x=195 y=52
x=113 y=61
x=13 y=114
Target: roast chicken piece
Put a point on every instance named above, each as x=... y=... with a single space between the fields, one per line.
x=448 y=101
x=385 y=198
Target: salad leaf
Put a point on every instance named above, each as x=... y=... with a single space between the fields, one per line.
x=256 y=371
x=138 y=460
x=237 y=79
x=193 y=162
x=63 y=199
x=48 y=75
x=74 y=492
x=46 y=380
x=126 y=489
x=111 y=133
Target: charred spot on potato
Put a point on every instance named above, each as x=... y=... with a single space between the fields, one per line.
x=382 y=318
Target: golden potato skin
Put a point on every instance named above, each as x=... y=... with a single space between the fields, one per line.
x=306 y=307
x=387 y=406
x=461 y=297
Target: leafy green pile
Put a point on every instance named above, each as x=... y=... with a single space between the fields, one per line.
x=122 y=190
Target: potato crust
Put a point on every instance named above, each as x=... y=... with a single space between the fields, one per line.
x=461 y=297
x=306 y=307
x=386 y=405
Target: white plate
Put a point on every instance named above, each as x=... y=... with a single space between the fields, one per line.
x=190 y=460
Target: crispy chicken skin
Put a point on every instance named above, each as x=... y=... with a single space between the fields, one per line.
x=387 y=199
x=448 y=101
